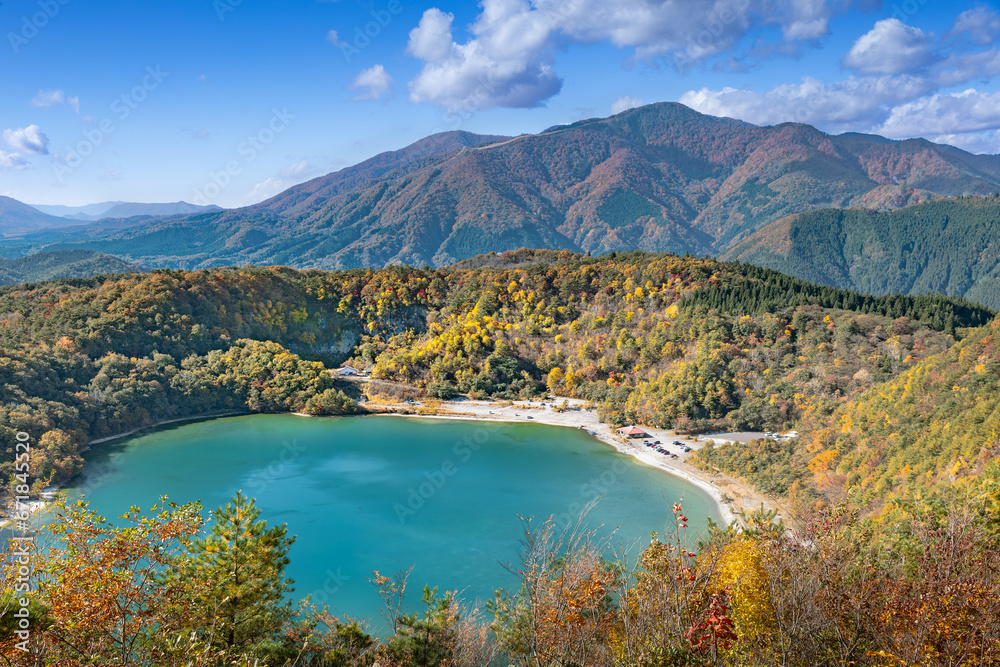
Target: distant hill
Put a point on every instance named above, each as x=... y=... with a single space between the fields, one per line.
x=120 y=209
x=948 y=247
x=61 y=264
x=657 y=178
x=17 y=217
x=86 y=212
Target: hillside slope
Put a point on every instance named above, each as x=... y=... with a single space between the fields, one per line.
x=61 y=264
x=943 y=247
x=657 y=178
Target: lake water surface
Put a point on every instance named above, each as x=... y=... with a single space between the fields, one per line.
x=385 y=493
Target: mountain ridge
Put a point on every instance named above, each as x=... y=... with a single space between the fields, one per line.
x=122 y=209
x=657 y=178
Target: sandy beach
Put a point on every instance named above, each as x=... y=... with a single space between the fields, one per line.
x=730 y=495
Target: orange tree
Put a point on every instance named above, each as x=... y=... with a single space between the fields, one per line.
x=565 y=609
x=98 y=584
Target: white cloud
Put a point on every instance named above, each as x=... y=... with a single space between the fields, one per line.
x=47 y=98
x=334 y=39
x=12 y=162
x=265 y=190
x=967 y=112
x=891 y=47
x=846 y=105
x=508 y=64
x=508 y=59
x=431 y=40
x=625 y=103
x=286 y=178
x=372 y=83
x=958 y=68
x=895 y=107
x=974 y=142
x=296 y=171
x=898 y=93
x=979 y=25
x=29 y=139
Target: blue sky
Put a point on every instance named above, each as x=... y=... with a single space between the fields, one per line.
x=231 y=101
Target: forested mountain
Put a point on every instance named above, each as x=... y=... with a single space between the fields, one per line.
x=657 y=178
x=944 y=247
x=60 y=264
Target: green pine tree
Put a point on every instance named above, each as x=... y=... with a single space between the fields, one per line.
x=239 y=566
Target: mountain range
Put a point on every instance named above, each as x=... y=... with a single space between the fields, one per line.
x=657 y=178
x=122 y=209
x=19 y=218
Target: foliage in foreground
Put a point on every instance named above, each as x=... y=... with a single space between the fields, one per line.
x=156 y=590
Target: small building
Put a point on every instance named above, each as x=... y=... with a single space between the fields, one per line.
x=347 y=371
x=632 y=432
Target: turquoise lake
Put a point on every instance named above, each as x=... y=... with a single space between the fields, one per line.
x=385 y=493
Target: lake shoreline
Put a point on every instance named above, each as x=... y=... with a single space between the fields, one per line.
x=42 y=503
x=578 y=417
x=125 y=434
x=729 y=495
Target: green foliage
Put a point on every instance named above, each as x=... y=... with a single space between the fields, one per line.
x=940 y=247
x=61 y=264
x=428 y=639
x=241 y=605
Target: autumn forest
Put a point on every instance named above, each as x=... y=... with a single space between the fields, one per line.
x=891 y=557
